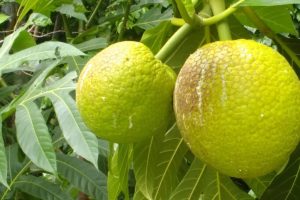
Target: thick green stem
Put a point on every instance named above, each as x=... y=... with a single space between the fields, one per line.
x=181 y=33
x=125 y=19
x=261 y=25
x=171 y=44
x=93 y=14
x=207 y=20
x=218 y=6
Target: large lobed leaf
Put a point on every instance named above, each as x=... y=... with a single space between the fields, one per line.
x=278 y=18
x=157 y=162
x=119 y=165
x=43 y=51
x=203 y=182
x=287 y=184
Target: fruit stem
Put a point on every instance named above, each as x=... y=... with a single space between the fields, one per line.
x=262 y=26
x=207 y=20
x=173 y=42
x=125 y=19
x=218 y=6
x=222 y=15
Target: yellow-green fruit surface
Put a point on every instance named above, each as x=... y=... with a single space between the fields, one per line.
x=124 y=94
x=237 y=107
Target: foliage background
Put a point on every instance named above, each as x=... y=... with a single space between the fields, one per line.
x=46 y=151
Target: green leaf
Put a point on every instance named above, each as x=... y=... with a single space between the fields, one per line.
x=268 y=2
x=69 y=9
x=156 y=37
x=3 y=160
x=3 y=18
x=260 y=184
x=23 y=41
x=82 y=175
x=144 y=163
x=278 y=18
x=203 y=182
x=83 y=142
x=286 y=185
x=92 y=44
x=138 y=195
x=186 y=9
x=238 y=30
x=26 y=6
x=43 y=51
x=153 y=17
x=118 y=171
x=15 y=161
x=77 y=62
x=186 y=47
x=170 y=157
x=9 y=41
x=32 y=88
x=40 y=188
x=156 y=164
x=34 y=138
x=39 y=19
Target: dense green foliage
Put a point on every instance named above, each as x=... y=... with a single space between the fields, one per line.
x=47 y=152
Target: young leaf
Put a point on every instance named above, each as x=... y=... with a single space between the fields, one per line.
x=203 y=182
x=3 y=160
x=43 y=51
x=40 y=188
x=33 y=136
x=83 y=142
x=286 y=185
x=82 y=175
x=118 y=172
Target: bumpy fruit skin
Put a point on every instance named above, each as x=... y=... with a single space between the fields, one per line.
x=237 y=107
x=124 y=94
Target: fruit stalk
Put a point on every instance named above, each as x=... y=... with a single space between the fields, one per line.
x=261 y=25
x=218 y=6
x=171 y=44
